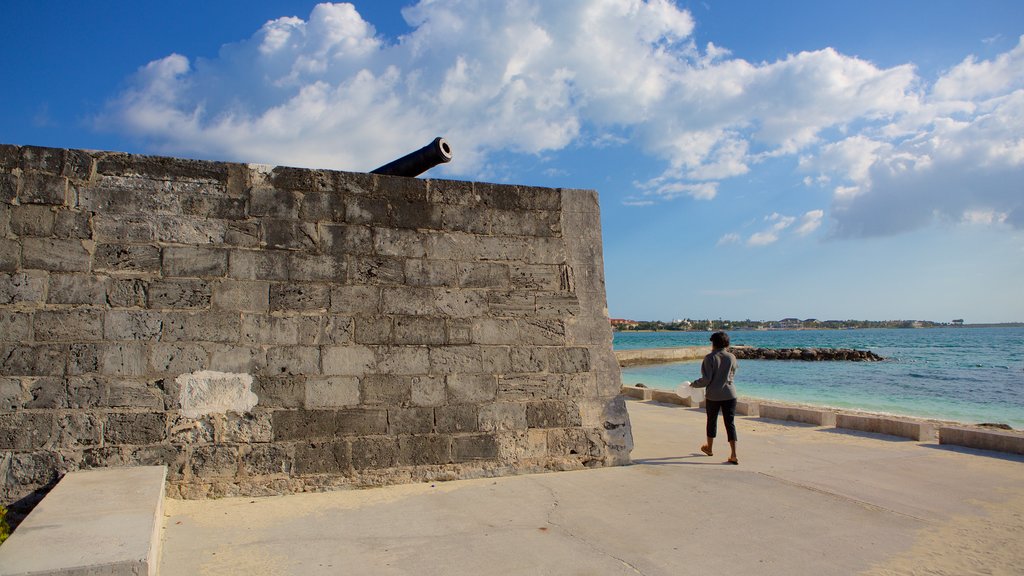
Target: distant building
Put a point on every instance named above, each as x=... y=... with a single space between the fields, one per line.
x=958 y=322
x=623 y=324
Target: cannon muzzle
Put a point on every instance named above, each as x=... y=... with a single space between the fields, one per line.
x=418 y=162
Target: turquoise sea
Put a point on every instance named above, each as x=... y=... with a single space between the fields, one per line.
x=969 y=375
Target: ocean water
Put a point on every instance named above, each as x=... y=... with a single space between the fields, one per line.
x=969 y=375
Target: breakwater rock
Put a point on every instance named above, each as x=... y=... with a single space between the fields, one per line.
x=662 y=355
x=806 y=354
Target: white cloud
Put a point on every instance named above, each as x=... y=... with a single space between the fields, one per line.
x=534 y=77
x=762 y=238
x=810 y=222
x=727 y=239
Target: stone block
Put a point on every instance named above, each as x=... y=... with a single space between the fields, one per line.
x=330 y=268
x=484 y=275
x=136 y=428
x=542 y=332
x=134 y=394
x=10 y=250
x=242 y=233
x=265 y=459
x=84 y=357
x=68 y=325
x=376 y=270
x=353 y=300
x=204 y=203
x=747 y=408
x=191 y=230
x=214 y=462
x=293 y=361
x=270 y=202
x=127 y=292
x=33 y=360
x=668 y=397
x=194 y=261
x=343 y=239
x=128 y=258
x=402 y=360
x=282 y=392
x=994 y=440
x=354 y=360
x=288 y=234
x=322 y=207
x=529 y=359
x=472 y=388
x=245 y=428
x=241 y=295
x=37 y=188
x=511 y=303
x=312 y=424
x=77 y=289
x=179 y=294
x=15 y=326
x=26 y=430
x=57 y=255
x=118 y=228
x=48 y=392
x=258 y=265
x=574 y=442
x=503 y=417
x=302 y=297
x=12 y=394
x=32 y=220
x=72 y=224
x=420 y=272
x=470 y=219
x=8 y=188
x=424 y=450
x=794 y=414
x=496 y=331
x=915 y=430
x=457 y=418
x=332 y=392
x=234 y=358
x=365 y=210
x=200 y=326
x=324 y=330
x=417 y=420
x=456 y=359
x=332 y=457
x=22 y=288
x=552 y=414
x=374 y=452
x=428 y=390
x=398 y=242
x=415 y=330
x=262 y=329
x=124 y=359
x=475 y=447
x=557 y=305
x=132 y=325
x=458 y=331
x=177 y=358
x=386 y=389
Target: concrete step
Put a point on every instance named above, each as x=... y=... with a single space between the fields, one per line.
x=101 y=521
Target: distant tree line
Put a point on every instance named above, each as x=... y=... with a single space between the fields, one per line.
x=689 y=324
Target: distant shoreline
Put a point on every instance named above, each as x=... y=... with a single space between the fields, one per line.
x=806 y=329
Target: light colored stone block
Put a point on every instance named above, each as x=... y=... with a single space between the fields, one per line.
x=995 y=440
x=794 y=414
x=914 y=430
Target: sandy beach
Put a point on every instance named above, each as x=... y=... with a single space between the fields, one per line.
x=804 y=500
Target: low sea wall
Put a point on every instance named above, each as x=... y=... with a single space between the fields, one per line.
x=645 y=356
x=920 y=430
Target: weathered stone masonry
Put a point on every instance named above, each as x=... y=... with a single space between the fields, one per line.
x=266 y=330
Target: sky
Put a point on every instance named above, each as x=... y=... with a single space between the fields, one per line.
x=858 y=159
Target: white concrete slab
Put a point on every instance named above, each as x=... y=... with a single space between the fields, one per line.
x=102 y=521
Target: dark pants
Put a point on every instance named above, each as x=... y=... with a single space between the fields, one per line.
x=728 y=408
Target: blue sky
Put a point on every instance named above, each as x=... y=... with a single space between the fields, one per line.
x=834 y=160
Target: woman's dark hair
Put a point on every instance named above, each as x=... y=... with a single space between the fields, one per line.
x=720 y=340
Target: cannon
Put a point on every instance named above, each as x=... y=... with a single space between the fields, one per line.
x=415 y=163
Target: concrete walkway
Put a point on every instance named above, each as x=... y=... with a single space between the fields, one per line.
x=804 y=500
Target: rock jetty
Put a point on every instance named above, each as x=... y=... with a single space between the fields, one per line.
x=806 y=354
x=662 y=355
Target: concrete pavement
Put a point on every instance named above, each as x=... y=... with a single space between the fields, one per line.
x=804 y=500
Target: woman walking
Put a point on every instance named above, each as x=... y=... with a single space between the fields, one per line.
x=716 y=376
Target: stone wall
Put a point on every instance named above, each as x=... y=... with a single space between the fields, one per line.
x=267 y=330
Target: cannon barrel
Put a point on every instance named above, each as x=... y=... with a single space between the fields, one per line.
x=418 y=162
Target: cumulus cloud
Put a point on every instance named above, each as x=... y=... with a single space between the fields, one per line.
x=534 y=77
